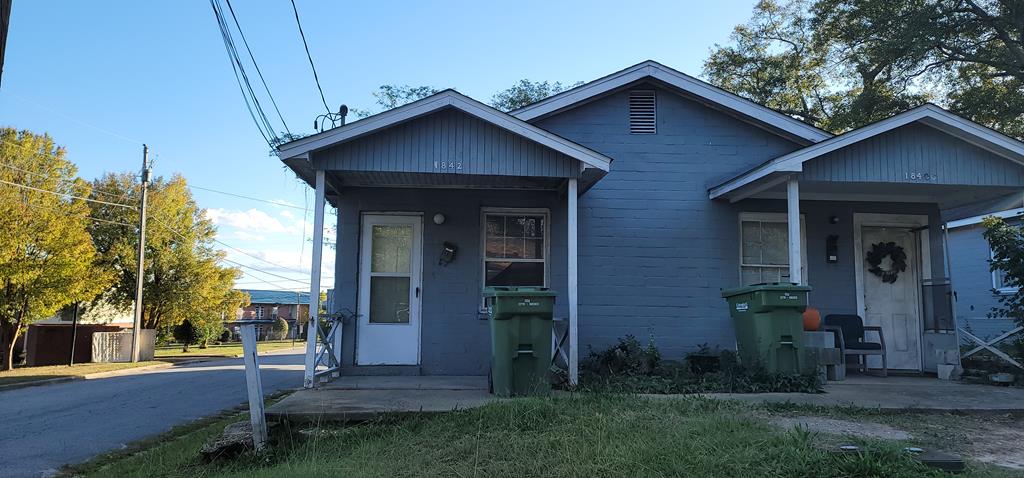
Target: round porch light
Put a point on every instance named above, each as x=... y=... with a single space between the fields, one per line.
x=439 y=219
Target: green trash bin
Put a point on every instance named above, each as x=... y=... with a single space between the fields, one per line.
x=769 y=325
x=520 y=320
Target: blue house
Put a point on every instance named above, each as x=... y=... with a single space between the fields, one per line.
x=978 y=288
x=637 y=197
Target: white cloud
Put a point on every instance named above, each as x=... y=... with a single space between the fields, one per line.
x=253 y=219
x=248 y=236
x=287 y=214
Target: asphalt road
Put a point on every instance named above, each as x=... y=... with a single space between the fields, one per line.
x=42 y=428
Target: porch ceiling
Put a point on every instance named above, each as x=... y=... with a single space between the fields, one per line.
x=946 y=196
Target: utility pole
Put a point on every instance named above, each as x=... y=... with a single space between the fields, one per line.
x=137 y=324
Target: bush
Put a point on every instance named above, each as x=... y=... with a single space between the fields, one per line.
x=225 y=336
x=186 y=334
x=628 y=367
x=279 y=331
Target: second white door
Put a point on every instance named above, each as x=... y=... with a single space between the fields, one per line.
x=390 y=287
x=895 y=305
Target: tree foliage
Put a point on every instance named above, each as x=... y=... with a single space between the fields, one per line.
x=1007 y=243
x=526 y=92
x=184 y=277
x=841 y=64
x=47 y=259
x=392 y=96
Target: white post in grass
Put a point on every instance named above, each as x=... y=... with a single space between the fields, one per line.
x=793 y=220
x=574 y=347
x=313 y=327
x=254 y=385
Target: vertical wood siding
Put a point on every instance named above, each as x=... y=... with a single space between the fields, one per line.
x=449 y=141
x=899 y=155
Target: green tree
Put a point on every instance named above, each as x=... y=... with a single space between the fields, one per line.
x=526 y=92
x=47 y=259
x=1007 y=243
x=392 y=96
x=184 y=277
x=841 y=64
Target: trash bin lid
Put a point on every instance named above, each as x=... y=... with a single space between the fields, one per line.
x=518 y=291
x=768 y=286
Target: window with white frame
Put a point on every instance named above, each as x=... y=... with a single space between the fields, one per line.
x=258 y=310
x=764 y=248
x=515 y=247
x=999 y=281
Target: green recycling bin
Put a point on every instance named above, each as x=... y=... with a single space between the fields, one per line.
x=520 y=320
x=769 y=325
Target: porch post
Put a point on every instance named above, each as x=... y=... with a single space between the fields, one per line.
x=572 y=227
x=313 y=327
x=793 y=220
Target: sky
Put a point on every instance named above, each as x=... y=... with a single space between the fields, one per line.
x=105 y=77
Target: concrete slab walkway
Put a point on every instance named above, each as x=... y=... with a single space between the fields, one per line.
x=357 y=398
x=900 y=393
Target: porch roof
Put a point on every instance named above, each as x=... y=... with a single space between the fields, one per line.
x=444 y=140
x=926 y=154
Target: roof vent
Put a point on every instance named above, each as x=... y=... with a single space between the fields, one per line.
x=643 y=112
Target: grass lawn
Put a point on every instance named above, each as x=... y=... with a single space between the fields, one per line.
x=226 y=350
x=31 y=374
x=584 y=436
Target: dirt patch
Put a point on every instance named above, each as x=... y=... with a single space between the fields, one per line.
x=998 y=445
x=842 y=427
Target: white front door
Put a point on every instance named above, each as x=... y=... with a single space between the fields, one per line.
x=390 y=281
x=892 y=302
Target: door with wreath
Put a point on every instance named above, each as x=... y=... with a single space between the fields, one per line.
x=891 y=297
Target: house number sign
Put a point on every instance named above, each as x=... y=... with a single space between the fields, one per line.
x=448 y=165
x=920 y=177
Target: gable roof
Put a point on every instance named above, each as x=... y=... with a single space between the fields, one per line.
x=701 y=89
x=1009 y=213
x=444 y=99
x=927 y=114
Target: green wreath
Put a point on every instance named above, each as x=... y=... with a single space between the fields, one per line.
x=896 y=254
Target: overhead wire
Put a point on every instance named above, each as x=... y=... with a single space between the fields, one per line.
x=248 y=94
x=316 y=78
x=245 y=42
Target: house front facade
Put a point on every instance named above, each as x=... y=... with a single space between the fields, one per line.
x=637 y=197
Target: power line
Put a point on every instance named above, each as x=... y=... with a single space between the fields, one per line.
x=67 y=195
x=245 y=197
x=239 y=264
x=253 y=58
x=310 y=57
x=118 y=197
x=251 y=101
x=83 y=216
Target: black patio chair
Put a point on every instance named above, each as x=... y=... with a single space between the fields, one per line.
x=849 y=331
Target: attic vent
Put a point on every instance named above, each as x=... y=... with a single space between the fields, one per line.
x=643 y=112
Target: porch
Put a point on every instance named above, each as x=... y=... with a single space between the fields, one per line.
x=864 y=217
x=436 y=200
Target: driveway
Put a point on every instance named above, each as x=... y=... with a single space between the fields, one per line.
x=42 y=428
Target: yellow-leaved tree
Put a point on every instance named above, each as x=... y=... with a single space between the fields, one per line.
x=47 y=258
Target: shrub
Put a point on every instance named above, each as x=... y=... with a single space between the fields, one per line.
x=279 y=330
x=628 y=367
x=186 y=334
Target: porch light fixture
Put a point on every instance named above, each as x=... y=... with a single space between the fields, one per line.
x=833 y=219
x=439 y=219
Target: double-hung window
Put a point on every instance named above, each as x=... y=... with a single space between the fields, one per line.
x=515 y=247
x=999 y=281
x=764 y=248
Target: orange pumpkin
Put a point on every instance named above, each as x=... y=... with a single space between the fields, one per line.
x=812 y=318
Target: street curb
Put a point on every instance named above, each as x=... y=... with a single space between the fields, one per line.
x=130 y=371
